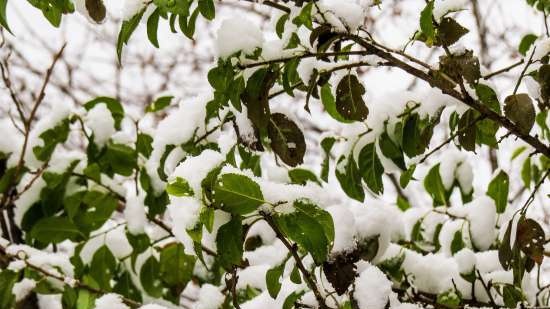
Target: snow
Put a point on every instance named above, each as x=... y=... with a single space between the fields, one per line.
x=238 y=34
x=100 y=120
x=22 y=288
x=482 y=217
x=131 y=8
x=210 y=297
x=134 y=212
x=195 y=169
x=466 y=260
x=29 y=197
x=184 y=213
x=253 y=276
x=59 y=110
x=246 y=129
x=343 y=14
x=271 y=254
x=465 y=176
x=49 y=301
x=52 y=262
x=117 y=242
x=152 y=306
x=305 y=69
x=372 y=289
x=10 y=143
x=447 y=233
x=110 y=301
x=442 y=7
x=542 y=49
x=176 y=129
x=373 y=220
x=344 y=227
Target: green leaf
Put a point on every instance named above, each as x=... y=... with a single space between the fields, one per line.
x=434 y=186
x=305 y=18
x=349 y=177
x=128 y=27
x=229 y=243
x=152 y=27
x=52 y=138
x=526 y=172
x=511 y=295
x=149 y=277
x=520 y=110
x=187 y=26
x=293 y=297
x=371 y=168
x=8 y=279
x=113 y=105
x=391 y=150
x=426 y=24
x=330 y=104
x=526 y=43
x=55 y=230
x=125 y=287
x=488 y=97
x=180 y=187
x=505 y=250
x=206 y=8
x=280 y=26
x=326 y=144
x=3 y=18
x=449 y=299
x=287 y=140
x=159 y=104
x=498 y=190
x=272 y=279
x=302 y=176
x=144 y=144
x=406 y=176
x=176 y=268
x=349 y=99
x=119 y=159
x=402 y=203
x=457 y=243
x=317 y=213
x=238 y=194
x=103 y=268
x=295 y=276
x=303 y=228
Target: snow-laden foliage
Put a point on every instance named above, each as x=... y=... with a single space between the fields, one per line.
x=228 y=199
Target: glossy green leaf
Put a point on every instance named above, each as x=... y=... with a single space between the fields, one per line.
x=498 y=190
x=238 y=194
x=371 y=168
x=434 y=186
x=55 y=230
x=229 y=243
x=179 y=187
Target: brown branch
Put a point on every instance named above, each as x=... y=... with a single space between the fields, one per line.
x=538 y=145
x=504 y=70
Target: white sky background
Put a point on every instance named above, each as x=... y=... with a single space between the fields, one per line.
x=91 y=54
